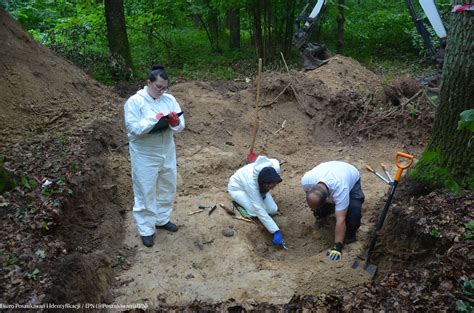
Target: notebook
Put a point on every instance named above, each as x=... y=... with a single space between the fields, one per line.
x=162 y=124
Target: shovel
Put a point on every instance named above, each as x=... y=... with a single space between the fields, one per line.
x=252 y=156
x=371 y=268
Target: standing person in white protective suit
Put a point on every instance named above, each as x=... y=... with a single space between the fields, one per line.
x=153 y=153
x=249 y=187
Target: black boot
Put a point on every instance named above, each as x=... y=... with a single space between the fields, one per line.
x=148 y=240
x=169 y=227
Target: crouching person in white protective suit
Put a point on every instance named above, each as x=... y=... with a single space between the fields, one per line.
x=249 y=188
x=151 y=119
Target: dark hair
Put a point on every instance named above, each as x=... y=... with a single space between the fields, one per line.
x=320 y=192
x=268 y=175
x=157 y=70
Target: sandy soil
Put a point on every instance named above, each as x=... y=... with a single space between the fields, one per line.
x=198 y=262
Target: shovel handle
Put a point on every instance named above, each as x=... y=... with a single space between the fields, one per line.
x=402 y=166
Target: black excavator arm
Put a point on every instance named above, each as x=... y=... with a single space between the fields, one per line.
x=314 y=55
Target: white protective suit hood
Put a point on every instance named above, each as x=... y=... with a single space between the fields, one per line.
x=263 y=161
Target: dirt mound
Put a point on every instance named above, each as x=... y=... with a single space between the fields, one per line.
x=343 y=73
x=54 y=136
x=42 y=92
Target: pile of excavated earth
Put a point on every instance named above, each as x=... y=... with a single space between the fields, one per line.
x=66 y=227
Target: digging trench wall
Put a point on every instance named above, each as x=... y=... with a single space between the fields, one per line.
x=401 y=243
x=92 y=228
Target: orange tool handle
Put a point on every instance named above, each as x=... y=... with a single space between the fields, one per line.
x=402 y=166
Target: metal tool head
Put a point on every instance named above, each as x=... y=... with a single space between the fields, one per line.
x=285 y=246
x=369 y=269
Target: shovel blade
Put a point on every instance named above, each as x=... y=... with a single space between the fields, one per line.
x=356 y=264
x=251 y=157
x=370 y=269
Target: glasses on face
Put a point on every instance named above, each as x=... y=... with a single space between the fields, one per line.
x=161 y=89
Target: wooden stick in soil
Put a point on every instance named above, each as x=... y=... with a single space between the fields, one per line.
x=291 y=80
x=274 y=100
x=429 y=100
x=227 y=209
x=242 y=219
x=251 y=157
x=412 y=98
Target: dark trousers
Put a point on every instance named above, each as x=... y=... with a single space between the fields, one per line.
x=354 y=211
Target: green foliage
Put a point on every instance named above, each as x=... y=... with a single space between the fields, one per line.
x=7 y=182
x=466 y=120
x=75 y=166
x=435 y=232
x=462 y=306
x=168 y=32
x=468 y=290
x=412 y=110
x=469 y=287
x=470 y=225
x=28 y=182
x=11 y=260
x=41 y=254
x=34 y=275
x=468 y=233
x=430 y=169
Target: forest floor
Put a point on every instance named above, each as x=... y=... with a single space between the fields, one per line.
x=67 y=233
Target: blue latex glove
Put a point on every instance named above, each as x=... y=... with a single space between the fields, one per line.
x=277 y=238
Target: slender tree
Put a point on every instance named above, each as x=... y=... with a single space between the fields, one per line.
x=117 y=34
x=449 y=157
x=257 y=28
x=233 y=16
x=340 y=27
x=289 y=26
x=213 y=23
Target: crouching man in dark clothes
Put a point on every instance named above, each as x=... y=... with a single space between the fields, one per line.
x=334 y=187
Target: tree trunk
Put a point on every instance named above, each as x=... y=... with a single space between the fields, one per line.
x=266 y=30
x=257 y=29
x=213 y=23
x=455 y=152
x=289 y=27
x=340 y=27
x=117 y=34
x=234 y=27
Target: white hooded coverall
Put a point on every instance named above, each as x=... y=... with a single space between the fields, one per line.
x=243 y=188
x=153 y=159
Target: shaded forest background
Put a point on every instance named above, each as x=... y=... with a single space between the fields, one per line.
x=216 y=39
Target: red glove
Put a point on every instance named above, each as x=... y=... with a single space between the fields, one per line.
x=159 y=116
x=173 y=119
